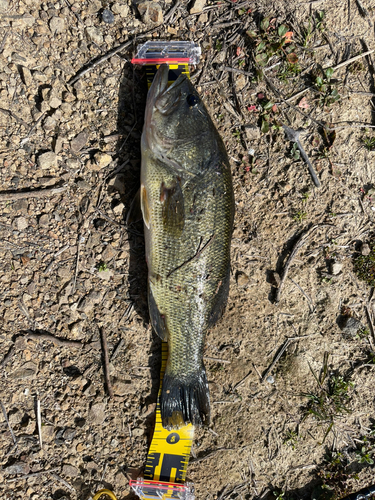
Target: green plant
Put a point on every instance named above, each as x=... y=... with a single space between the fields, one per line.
x=362 y=333
x=291 y=439
x=102 y=266
x=331 y=398
x=299 y=216
x=288 y=70
x=364 y=454
x=364 y=266
x=295 y=152
x=369 y=143
x=319 y=20
x=335 y=474
x=218 y=45
x=323 y=83
x=272 y=40
x=306 y=196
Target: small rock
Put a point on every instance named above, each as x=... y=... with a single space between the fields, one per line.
x=108 y=253
x=24 y=22
x=17 y=468
x=64 y=272
x=252 y=133
x=349 y=325
x=21 y=206
x=120 y=479
x=242 y=279
x=4 y=4
x=106 y=275
x=48 y=433
x=47 y=160
x=26 y=76
x=270 y=379
x=336 y=268
x=76 y=329
x=121 y=10
x=44 y=220
x=79 y=141
x=70 y=471
x=138 y=432
x=26 y=371
x=57 y=25
x=49 y=124
x=365 y=249
x=102 y=159
x=118 y=209
x=69 y=434
x=94 y=35
x=94 y=6
x=68 y=97
x=22 y=223
x=121 y=388
x=97 y=414
x=58 y=144
x=107 y=16
x=198 y=6
x=150 y=12
x=54 y=102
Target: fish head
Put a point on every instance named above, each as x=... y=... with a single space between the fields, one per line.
x=175 y=115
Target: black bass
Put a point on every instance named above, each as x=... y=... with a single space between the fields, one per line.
x=188 y=206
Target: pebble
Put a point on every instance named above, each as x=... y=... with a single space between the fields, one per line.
x=57 y=25
x=44 y=220
x=252 y=133
x=107 y=16
x=21 y=206
x=48 y=433
x=94 y=35
x=150 y=12
x=17 y=468
x=82 y=184
x=70 y=471
x=55 y=102
x=138 y=432
x=22 y=223
x=365 y=249
x=118 y=209
x=4 y=4
x=27 y=76
x=336 y=268
x=118 y=183
x=49 y=124
x=97 y=414
x=26 y=371
x=349 y=325
x=120 y=9
x=270 y=379
x=47 y=160
x=197 y=6
x=94 y=6
x=79 y=141
x=121 y=388
x=108 y=253
x=102 y=159
x=242 y=279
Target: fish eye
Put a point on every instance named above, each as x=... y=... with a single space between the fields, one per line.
x=192 y=100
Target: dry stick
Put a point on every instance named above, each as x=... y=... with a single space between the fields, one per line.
x=77 y=263
x=349 y=61
x=37 y=193
x=370 y=323
x=217 y=360
x=297 y=246
x=280 y=353
x=33 y=474
x=209 y=455
x=106 y=362
x=8 y=423
x=293 y=136
x=39 y=422
x=311 y=305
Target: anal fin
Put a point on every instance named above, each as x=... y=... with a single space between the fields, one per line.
x=157 y=319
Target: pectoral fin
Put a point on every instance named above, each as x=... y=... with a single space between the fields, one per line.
x=145 y=206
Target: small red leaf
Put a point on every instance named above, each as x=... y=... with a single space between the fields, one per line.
x=303 y=103
x=292 y=58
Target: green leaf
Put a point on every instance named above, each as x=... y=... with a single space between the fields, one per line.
x=251 y=34
x=292 y=58
x=261 y=59
x=329 y=72
x=264 y=24
x=282 y=30
x=260 y=46
x=319 y=81
x=265 y=126
x=268 y=105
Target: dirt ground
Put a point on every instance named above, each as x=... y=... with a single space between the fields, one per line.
x=72 y=268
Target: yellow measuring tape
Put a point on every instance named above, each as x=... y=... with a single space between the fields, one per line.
x=101 y=493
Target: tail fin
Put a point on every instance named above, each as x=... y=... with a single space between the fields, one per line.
x=185 y=400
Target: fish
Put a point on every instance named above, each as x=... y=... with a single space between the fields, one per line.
x=187 y=204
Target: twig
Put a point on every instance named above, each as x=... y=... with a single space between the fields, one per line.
x=37 y=193
x=39 y=423
x=311 y=305
x=8 y=423
x=294 y=96
x=301 y=241
x=117 y=349
x=243 y=380
x=349 y=61
x=106 y=362
x=371 y=325
x=171 y=11
x=77 y=263
x=280 y=353
x=362 y=10
x=57 y=341
x=33 y=474
x=293 y=136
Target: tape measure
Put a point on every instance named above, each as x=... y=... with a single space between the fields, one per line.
x=168 y=457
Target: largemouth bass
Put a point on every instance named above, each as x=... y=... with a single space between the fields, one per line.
x=187 y=206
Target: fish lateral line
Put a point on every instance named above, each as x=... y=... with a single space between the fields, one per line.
x=197 y=254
